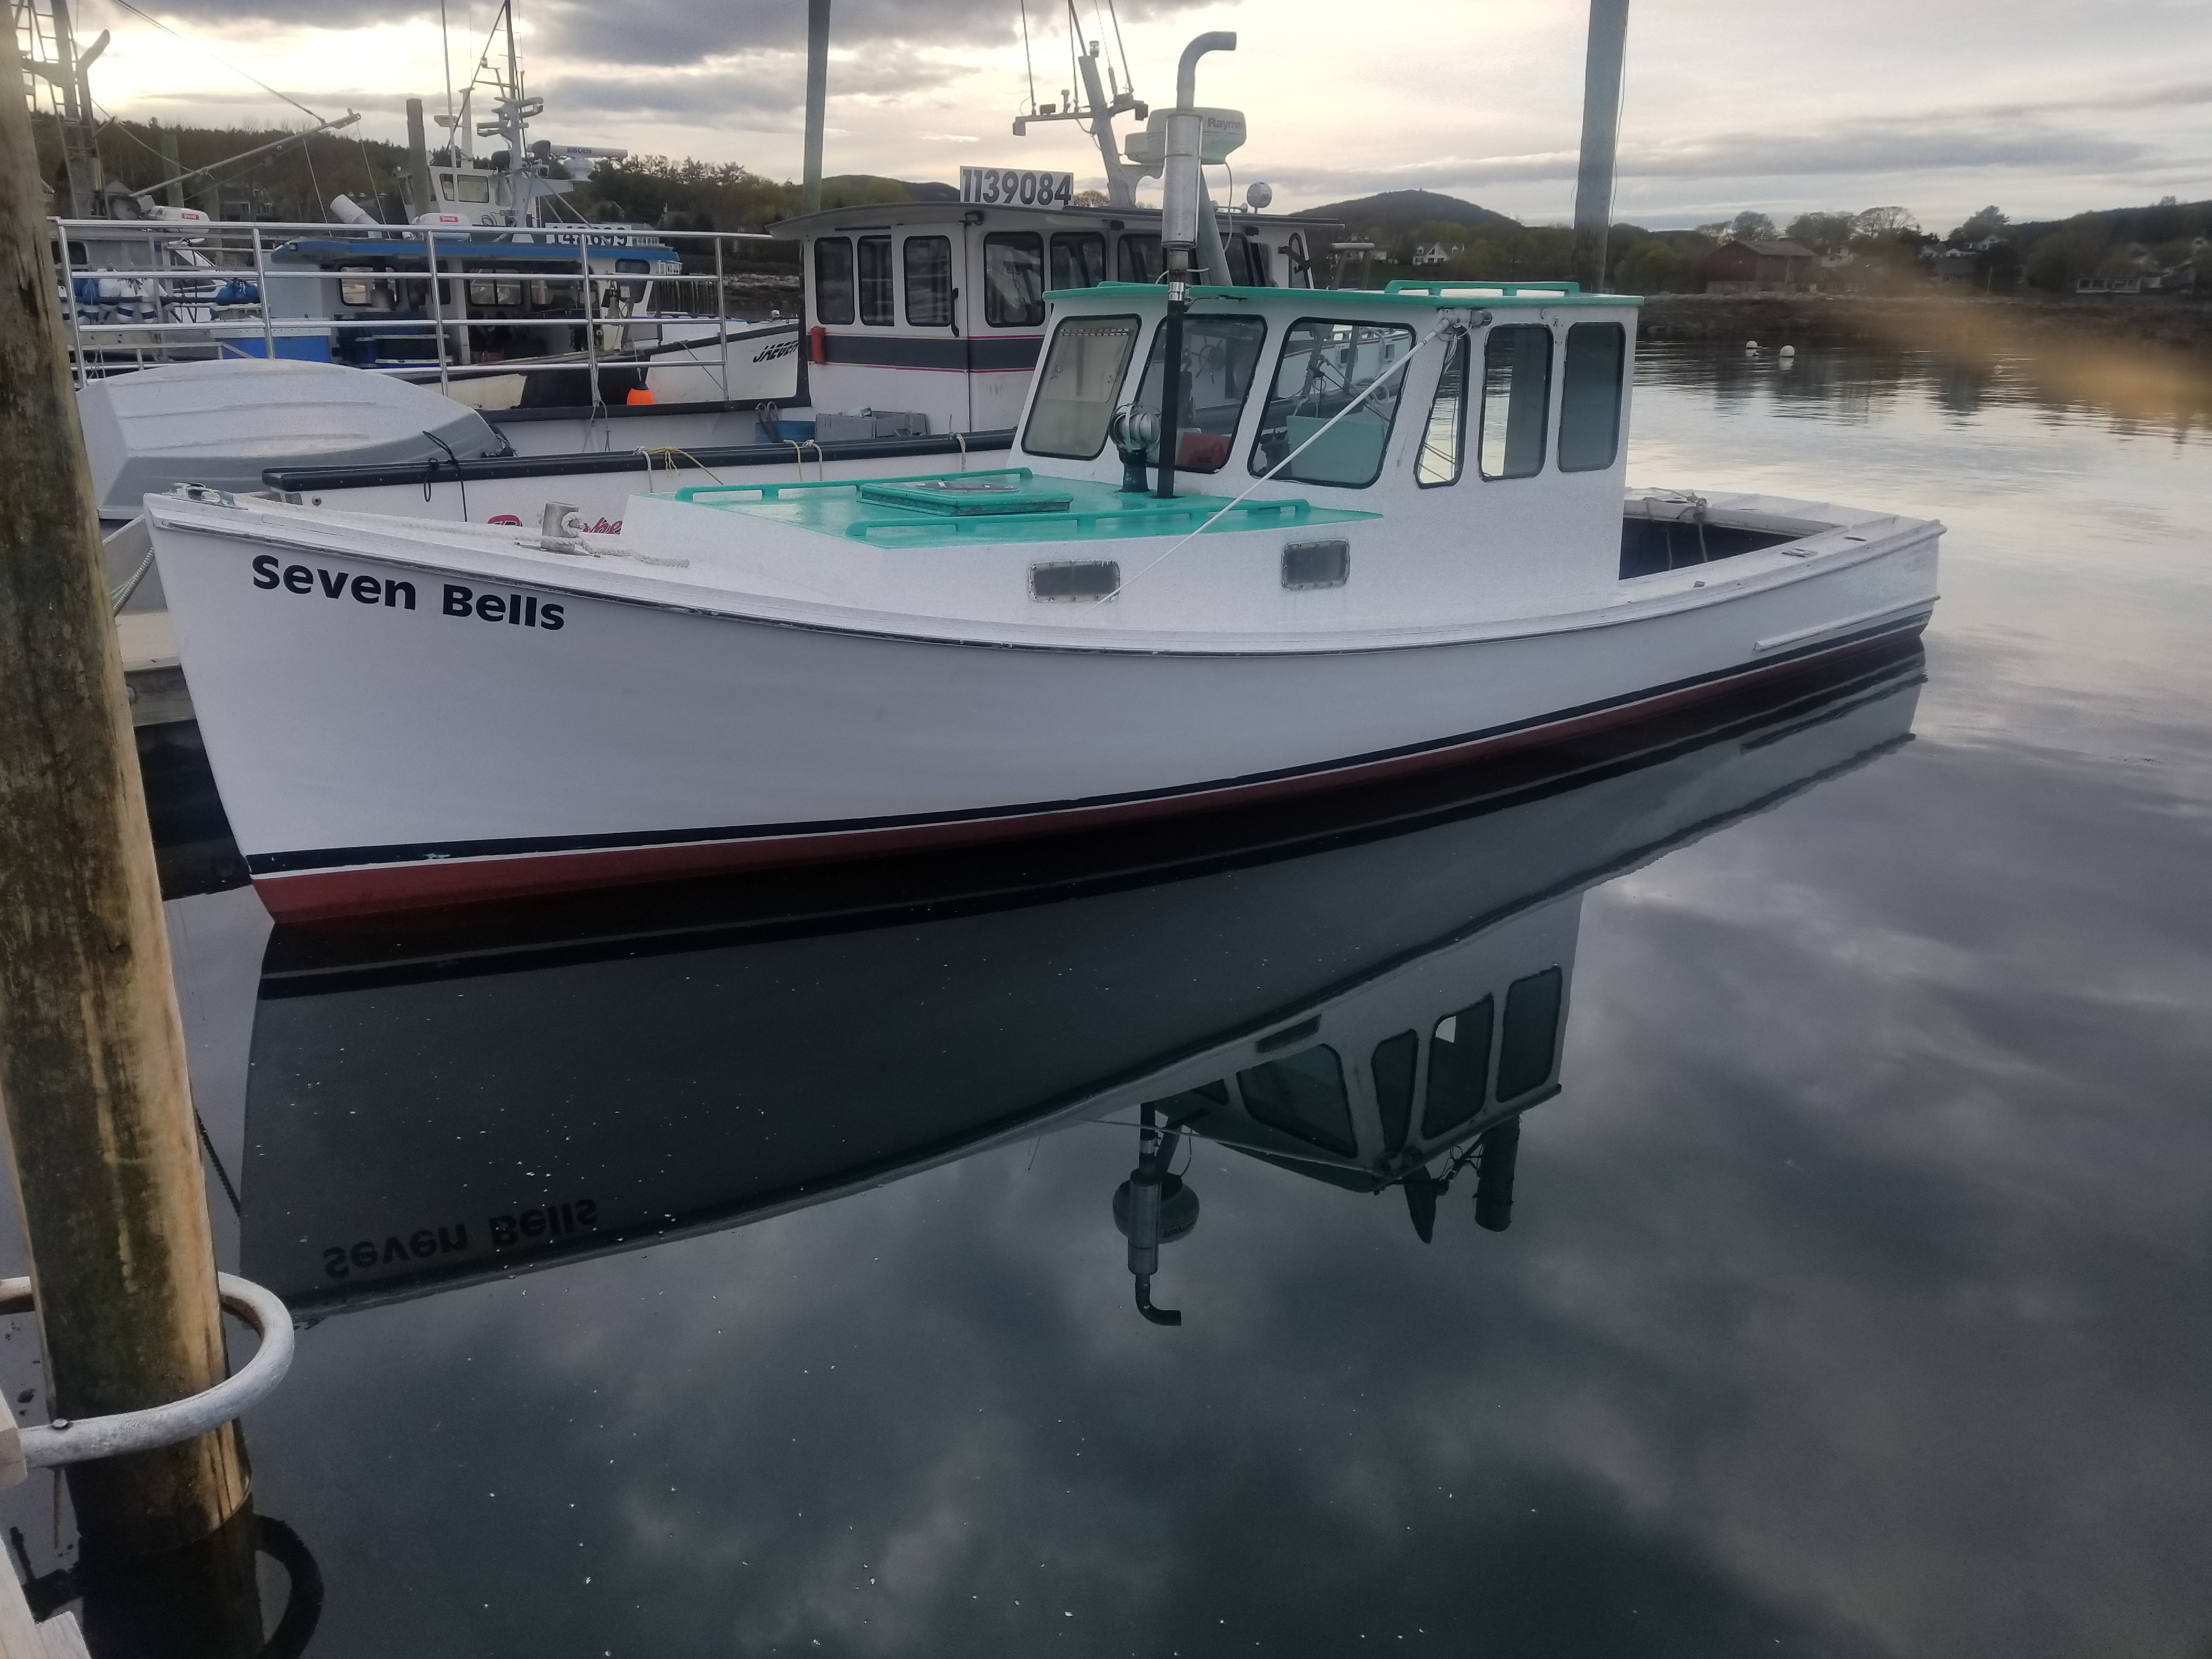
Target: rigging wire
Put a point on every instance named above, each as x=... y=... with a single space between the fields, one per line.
x=286 y=97
x=1128 y=80
x=446 y=53
x=369 y=172
x=1029 y=66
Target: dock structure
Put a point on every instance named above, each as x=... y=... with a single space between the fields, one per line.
x=93 y=1075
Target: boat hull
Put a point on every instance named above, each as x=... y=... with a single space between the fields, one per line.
x=374 y=757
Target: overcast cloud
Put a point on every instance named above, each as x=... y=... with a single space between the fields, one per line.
x=2048 y=106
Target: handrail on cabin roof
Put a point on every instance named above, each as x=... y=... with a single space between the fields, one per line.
x=1509 y=290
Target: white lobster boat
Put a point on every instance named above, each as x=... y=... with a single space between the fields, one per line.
x=1396 y=535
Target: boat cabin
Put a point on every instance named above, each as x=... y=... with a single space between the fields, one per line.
x=1363 y=460
x=1378 y=1086
x=503 y=295
x=934 y=311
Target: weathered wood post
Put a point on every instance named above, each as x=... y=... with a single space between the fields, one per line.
x=92 y=1054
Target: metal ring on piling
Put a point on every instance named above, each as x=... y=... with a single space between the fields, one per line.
x=78 y=1440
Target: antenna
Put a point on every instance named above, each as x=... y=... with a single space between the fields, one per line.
x=1097 y=105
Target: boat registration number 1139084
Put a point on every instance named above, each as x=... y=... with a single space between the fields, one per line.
x=1017 y=187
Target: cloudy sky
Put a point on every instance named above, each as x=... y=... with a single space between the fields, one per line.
x=2044 y=106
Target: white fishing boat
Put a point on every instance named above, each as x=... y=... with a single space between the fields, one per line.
x=1382 y=531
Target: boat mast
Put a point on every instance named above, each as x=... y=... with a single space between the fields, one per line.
x=48 y=48
x=817 y=103
x=1608 y=38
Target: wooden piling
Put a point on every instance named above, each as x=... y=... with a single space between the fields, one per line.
x=92 y=1055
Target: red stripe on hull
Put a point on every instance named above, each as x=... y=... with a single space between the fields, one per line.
x=429 y=883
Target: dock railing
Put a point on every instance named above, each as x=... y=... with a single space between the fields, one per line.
x=213 y=289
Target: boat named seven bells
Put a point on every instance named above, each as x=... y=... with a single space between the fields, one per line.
x=1394 y=533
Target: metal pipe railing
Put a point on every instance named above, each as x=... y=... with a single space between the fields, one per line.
x=230 y=250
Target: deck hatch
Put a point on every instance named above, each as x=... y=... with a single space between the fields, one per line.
x=966 y=496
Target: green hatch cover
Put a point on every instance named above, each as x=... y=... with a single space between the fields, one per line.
x=967 y=495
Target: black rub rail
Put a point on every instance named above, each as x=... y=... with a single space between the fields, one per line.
x=297 y=480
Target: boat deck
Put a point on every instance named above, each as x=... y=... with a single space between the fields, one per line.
x=1009 y=504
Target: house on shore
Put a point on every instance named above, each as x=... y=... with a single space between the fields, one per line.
x=1760 y=268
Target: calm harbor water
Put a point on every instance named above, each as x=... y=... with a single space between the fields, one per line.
x=1854 y=1300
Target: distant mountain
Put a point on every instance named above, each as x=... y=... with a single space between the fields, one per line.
x=1394 y=212
x=854 y=187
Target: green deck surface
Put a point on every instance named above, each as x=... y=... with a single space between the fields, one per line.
x=1095 y=512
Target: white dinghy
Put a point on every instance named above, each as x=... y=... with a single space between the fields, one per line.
x=1392 y=531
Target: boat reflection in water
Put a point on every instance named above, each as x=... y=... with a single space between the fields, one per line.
x=1370 y=1003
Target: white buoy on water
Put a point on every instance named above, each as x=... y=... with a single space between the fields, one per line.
x=1789 y=351
x=1751 y=345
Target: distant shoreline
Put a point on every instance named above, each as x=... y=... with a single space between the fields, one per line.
x=1967 y=322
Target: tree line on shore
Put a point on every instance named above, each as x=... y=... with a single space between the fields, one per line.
x=1875 y=249
x=1881 y=249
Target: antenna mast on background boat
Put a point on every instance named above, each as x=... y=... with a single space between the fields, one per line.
x=48 y=48
x=1095 y=105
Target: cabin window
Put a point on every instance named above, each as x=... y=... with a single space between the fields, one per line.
x=928 y=281
x=1191 y=1103
x=1302 y=1096
x=1301 y=271
x=1516 y=396
x=1531 y=1033
x=1324 y=369
x=510 y=294
x=632 y=267
x=483 y=294
x=1013 y=279
x=1078 y=260
x=833 y=279
x=1219 y=357
x=1078 y=386
x=445 y=185
x=1459 y=1066
x=474 y=187
x=1589 y=397
x=1443 y=441
x=876 y=298
x=1137 y=259
x=1394 y=1059
x=357 y=291
x=1248 y=262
